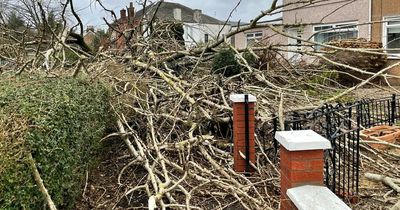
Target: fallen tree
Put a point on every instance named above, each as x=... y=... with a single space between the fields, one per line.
x=173 y=113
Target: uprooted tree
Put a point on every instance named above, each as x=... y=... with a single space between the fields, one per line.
x=171 y=107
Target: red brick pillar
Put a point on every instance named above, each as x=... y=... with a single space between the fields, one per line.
x=302 y=161
x=239 y=131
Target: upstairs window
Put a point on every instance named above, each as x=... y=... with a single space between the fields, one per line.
x=391 y=35
x=331 y=32
x=253 y=37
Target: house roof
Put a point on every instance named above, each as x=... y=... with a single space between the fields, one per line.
x=276 y=21
x=166 y=12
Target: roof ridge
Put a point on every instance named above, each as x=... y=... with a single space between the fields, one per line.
x=167 y=4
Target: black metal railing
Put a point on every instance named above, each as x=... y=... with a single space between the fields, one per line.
x=384 y=111
x=339 y=125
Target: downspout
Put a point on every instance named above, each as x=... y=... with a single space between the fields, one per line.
x=370 y=20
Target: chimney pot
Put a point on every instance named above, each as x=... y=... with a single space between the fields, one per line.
x=123 y=13
x=131 y=11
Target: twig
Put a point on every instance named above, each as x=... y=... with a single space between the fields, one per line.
x=39 y=182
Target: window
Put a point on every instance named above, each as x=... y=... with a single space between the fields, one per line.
x=298 y=41
x=205 y=38
x=295 y=45
x=391 y=36
x=327 y=33
x=253 y=37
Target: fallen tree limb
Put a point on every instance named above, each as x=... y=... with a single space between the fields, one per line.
x=384 y=179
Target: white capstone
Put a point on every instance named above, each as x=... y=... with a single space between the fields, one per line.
x=239 y=98
x=309 y=197
x=302 y=140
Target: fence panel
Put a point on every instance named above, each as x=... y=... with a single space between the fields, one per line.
x=336 y=123
x=341 y=125
x=384 y=111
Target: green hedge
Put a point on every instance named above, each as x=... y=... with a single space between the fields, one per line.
x=60 y=121
x=225 y=62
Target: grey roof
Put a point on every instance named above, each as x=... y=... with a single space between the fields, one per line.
x=166 y=12
x=272 y=21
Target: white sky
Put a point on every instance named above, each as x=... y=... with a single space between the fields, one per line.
x=92 y=14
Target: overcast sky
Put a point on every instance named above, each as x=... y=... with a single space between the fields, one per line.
x=92 y=13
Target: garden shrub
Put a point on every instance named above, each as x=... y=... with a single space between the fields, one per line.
x=58 y=121
x=225 y=62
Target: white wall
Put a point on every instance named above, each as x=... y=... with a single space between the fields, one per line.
x=194 y=32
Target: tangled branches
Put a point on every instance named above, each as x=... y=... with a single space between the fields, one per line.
x=172 y=110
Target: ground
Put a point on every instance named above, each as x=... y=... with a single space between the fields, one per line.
x=375 y=195
x=102 y=190
x=374 y=92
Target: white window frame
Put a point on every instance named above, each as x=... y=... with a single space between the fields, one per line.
x=253 y=33
x=385 y=26
x=336 y=27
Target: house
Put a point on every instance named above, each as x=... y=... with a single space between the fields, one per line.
x=198 y=27
x=95 y=39
x=385 y=16
x=334 y=20
x=126 y=22
x=320 y=22
x=325 y=21
x=386 y=24
x=343 y=19
x=258 y=35
x=90 y=36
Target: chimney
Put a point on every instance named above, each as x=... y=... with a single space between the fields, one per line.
x=131 y=11
x=197 y=15
x=178 y=14
x=90 y=28
x=123 y=14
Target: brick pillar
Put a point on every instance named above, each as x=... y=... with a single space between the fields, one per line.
x=239 y=131
x=302 y=161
